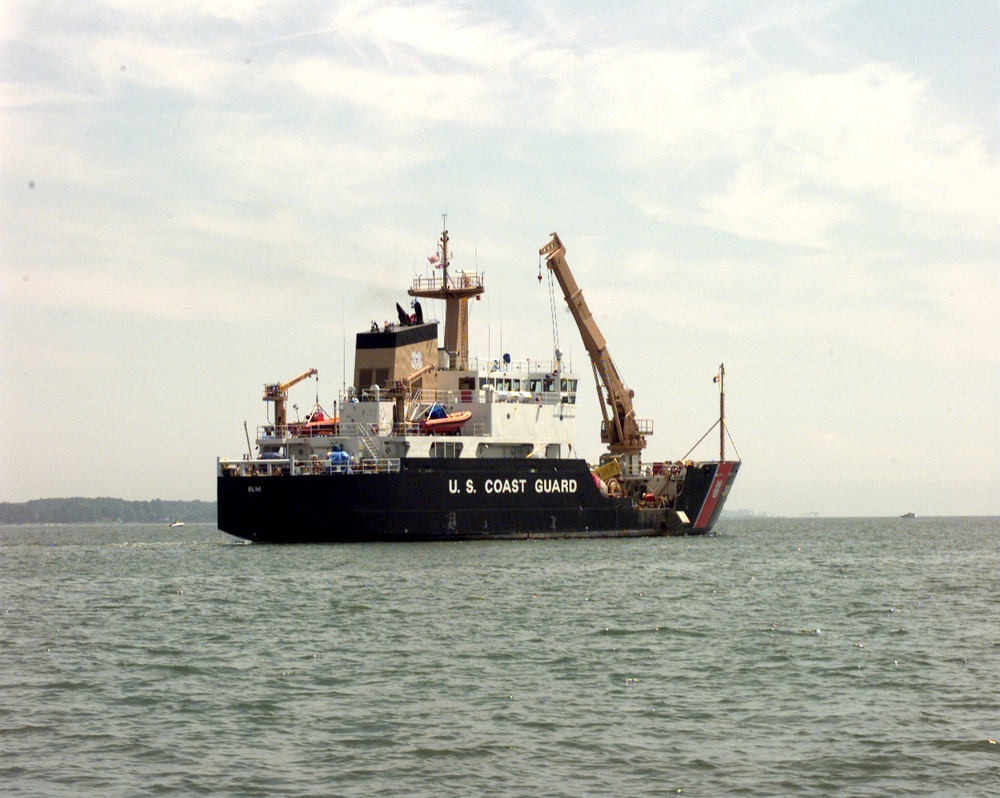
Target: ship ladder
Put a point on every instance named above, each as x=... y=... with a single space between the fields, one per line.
x=370 y=445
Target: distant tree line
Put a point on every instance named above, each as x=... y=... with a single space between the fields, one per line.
x=86 y=511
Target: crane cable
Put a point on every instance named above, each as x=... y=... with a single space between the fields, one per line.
x=557 y=355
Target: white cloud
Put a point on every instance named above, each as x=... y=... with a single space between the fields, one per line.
x=436 y=35
x=791 y=154
x=174 y=291
x=758 y=203
x=23 y=98
x=874 y=130
x=192 y=71
x=412 y=97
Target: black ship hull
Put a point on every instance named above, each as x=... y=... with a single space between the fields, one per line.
x=461 y=499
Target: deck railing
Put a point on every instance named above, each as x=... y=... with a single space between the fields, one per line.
x=285 y=467
x=645 y=426
x=457 y=280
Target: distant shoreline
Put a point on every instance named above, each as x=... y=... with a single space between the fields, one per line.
x=106 y=511
x=109 y=523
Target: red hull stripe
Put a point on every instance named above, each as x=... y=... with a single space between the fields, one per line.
x=714 y=492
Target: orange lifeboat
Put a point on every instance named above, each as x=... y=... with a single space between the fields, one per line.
x=318 y=422
x=446 y=425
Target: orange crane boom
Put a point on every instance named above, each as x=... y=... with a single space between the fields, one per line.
x=624 y=434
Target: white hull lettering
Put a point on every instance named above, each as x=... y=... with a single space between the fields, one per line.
x=505 y=485
x=555 y=486
x=516 y=486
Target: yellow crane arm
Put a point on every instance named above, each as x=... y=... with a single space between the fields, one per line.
x=295 y=380
x=621 y=430
x=277 y=392
x=416 y=375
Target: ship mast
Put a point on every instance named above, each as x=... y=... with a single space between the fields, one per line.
x=456 y=293
x=722 y=412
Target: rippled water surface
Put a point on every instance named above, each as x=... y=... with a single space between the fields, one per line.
x=779 y=657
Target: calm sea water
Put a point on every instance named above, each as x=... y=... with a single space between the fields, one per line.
x=848 y=657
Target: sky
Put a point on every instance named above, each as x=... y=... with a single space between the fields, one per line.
x=197 y=198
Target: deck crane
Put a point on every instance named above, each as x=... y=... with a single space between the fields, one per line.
x=278 y=393
x=624 y=434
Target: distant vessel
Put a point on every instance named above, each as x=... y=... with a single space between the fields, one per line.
x=908 y=515
x=177 y=523
x=430 y=444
